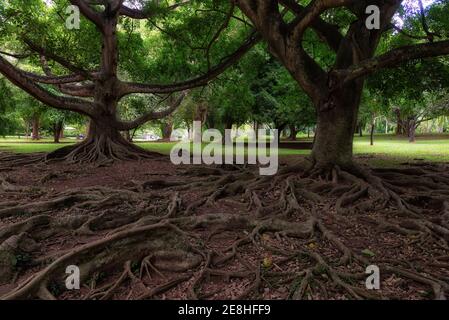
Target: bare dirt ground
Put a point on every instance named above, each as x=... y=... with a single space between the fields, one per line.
x=152 y=230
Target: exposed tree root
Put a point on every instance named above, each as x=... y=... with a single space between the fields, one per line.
x=289 y=234
x=101 y=151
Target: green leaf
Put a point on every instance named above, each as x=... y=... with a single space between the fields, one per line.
x=368 y=253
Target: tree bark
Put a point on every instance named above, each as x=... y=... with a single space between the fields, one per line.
x=57 y=131
x=412 y=131
x=167 y=129
x=280 y=128
x=35 y=125
x=293 y=133
x=27 y=129
x=401 y=125
x=104 y=143
x=335 y=128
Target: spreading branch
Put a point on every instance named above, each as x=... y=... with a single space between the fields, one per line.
x=329 y=33
x=20 y=79
x=89 y=12
x=130 y=88
x=62 y=61
x=151 y=115
x=392 y=58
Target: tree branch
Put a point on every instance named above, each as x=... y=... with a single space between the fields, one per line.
x=129 y=88
x=54 y=79
x=17 y=56
x=311 y=12
x=89 y=13
x=63 y=62
x=152 y=115
x=70 y=89
x=392 y=58
x=329 y=33
x=18 y=78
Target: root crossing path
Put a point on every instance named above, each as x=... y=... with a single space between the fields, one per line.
x=151 y=230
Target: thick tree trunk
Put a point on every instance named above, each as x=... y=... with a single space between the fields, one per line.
x=335 y=128
x=103 y=144
x=35 y=125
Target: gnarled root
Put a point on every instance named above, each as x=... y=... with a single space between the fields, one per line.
x=100 y=150
x=290 y=236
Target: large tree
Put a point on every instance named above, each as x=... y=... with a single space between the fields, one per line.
x=335 y=91
x=95 y=91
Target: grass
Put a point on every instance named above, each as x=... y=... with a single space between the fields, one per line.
x=24 y=145
x=387 y=149
x=392 y=149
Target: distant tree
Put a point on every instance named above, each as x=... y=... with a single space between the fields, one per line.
x=418 y=83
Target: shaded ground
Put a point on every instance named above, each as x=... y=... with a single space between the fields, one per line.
x=149 y=229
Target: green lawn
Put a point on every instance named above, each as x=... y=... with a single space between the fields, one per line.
x=387 y=148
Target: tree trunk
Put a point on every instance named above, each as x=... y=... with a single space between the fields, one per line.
x=412 y=130
x=399 y=122
x=293 y=133
x=27 y=129
x=166 y=129
x=335 y=128
x=256 y=128
x=35 y=125
x=189 y=131
x=280 y=128
x=372 y=134
x=57 y=129
x=406 y=128
x=104 y=143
